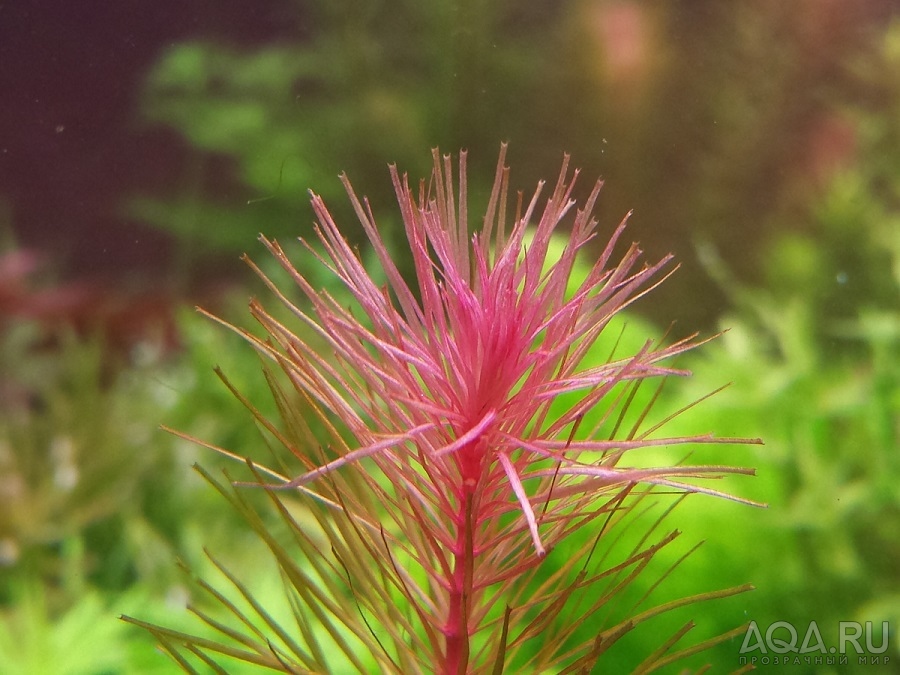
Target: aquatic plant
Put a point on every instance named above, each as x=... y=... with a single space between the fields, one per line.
x=446 y=437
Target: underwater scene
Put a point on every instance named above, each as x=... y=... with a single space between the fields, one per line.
x=358 y=336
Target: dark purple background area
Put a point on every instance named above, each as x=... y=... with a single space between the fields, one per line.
x=71 y=145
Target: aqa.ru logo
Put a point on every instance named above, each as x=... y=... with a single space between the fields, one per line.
x=782 y=637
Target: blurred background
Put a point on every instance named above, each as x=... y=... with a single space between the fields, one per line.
x=143 y=146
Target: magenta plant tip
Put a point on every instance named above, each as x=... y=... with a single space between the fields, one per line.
x=456 y=398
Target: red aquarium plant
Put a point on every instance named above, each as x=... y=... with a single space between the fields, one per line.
x=453 y=460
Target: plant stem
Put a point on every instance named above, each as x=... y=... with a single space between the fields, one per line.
x=456 y=629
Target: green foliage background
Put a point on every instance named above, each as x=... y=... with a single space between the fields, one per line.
x=706 y=138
